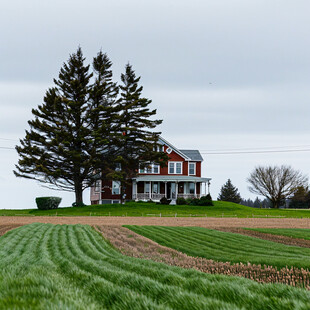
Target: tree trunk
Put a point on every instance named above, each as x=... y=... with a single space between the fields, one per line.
x=275 y=204
x=78 y=194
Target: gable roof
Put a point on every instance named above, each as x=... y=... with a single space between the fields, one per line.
x=189 y=155
x=193 y=154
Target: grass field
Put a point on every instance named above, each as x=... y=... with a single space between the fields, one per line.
x=226 y=247
x=44 y=266
x=220 y=209
x=288 y=232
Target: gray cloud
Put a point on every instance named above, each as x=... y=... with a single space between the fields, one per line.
x=255 y=54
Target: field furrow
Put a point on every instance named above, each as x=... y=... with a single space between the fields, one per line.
x=226 y=247
x=73 y=267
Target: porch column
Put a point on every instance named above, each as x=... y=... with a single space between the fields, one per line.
x=176 y=189
x=195 y=191
x=166 y=189
x=134 y=190
x=150 y=190
x=206 y=188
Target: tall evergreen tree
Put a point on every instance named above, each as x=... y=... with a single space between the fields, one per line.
x=83 y=128
x=229 y=193
x=104 y=113
x=137 y=147
x=69 y=139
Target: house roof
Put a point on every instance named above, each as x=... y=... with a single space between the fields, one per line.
x=188 y=155
x=193 y=154
x=170 y=178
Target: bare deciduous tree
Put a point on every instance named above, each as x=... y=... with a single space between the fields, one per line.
x=276 y=183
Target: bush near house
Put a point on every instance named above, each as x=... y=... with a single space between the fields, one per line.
x=165 y=201
x=48 y=203
x=203 y=201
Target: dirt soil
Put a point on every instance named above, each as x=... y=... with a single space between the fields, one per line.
x=135 y=245
x=5 y=228
x=164 y=221
x=276 y=238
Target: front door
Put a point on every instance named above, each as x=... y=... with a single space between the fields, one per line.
x=173 y=191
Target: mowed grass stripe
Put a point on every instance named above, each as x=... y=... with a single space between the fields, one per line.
x=223 y=246
x=72 y=267
x=142 y=284
x=132 y=282
x=299 y=233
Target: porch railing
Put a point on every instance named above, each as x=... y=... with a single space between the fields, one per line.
x=148 y=196
x=153 y=196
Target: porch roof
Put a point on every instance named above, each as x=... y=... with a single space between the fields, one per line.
x=170 y=178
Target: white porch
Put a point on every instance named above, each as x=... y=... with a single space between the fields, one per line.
x=172 y=187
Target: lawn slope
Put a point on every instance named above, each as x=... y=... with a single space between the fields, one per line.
x=220 y=209
x=226 y=247
x=71 y=267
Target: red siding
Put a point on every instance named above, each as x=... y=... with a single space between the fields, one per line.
x=173 y=156
x=107 y=191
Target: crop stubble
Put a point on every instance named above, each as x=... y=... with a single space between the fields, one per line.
x=135 y=245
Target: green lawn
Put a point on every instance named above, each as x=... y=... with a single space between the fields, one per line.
x=299 y=233
x=220 y=209
x=226 y=247
x=44 y=266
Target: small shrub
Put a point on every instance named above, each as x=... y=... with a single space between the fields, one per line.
x=47 y=203
x=208 y=197
x=80 y=204
x=181 y=201
x=165 y=201
x=205 y=201
x=194 y=202
x=188 y=201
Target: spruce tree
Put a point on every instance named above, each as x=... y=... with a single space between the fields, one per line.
x=65 y=143
x=84 y=129
x=229 y=193
x=137 y=146
x=103 y=113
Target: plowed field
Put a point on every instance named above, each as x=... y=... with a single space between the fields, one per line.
x=162 y=221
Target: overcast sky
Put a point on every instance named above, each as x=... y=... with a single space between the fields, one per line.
x=223 y=75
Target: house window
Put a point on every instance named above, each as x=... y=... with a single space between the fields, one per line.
x=147 y=187
x=155 y=188
x=97 y=186
x=118 y=167
x=191 y=168
x=191 y=187
x=175 y=168
x=160 y=148
x=152 y=168
x=115 y=188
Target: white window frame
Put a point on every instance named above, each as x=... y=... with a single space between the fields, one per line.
x=147 y=184
x=158 y=188
x=192 y=163
x=145 y=171
x=97 y=186
x=175 y=167
x=189 y=187
x=119 y=187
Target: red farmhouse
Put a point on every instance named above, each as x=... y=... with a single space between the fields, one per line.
x=180 y=178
